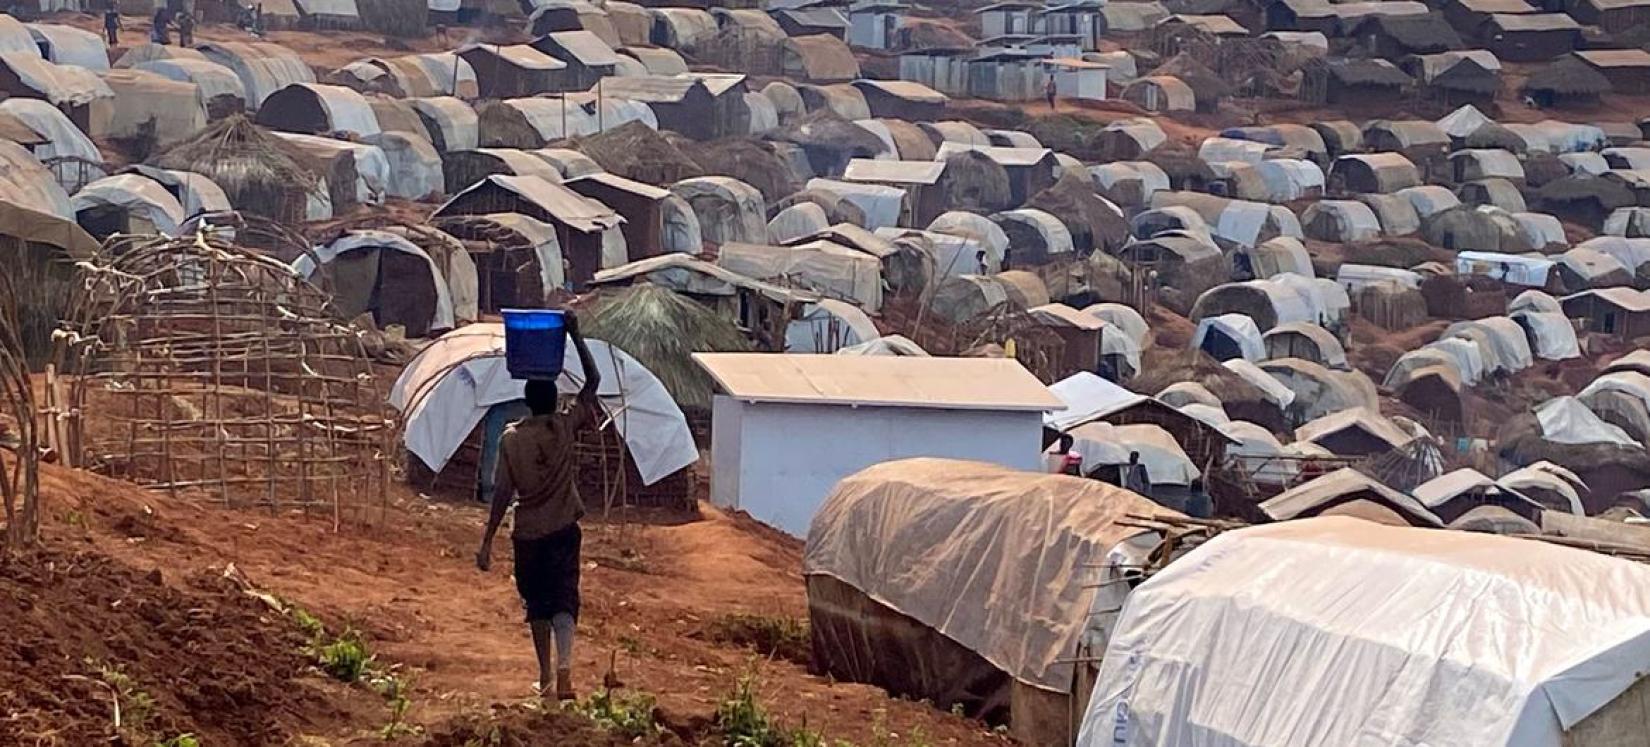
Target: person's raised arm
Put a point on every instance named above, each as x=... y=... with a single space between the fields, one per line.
x=592 y=375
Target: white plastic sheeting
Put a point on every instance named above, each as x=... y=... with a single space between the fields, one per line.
x=1276 y=391
x=1104 y=444
x=1258 y=451
x=1516 y=269
x=1341 y=221
x=881 y=204
x=1429 y=200
x=138 y=196
x=1552 y=334
x=414 y=165
x=372 y=167
x=214 y=80
x=15 y=37
x=1544 y=229
x=1558 y=137
x=1566 y=420
x=62 y=137
x=827 y=326
x=447 y=389
x=1288 y=179
x=263 y=68
x=67 y=45
x=1631 y=253
x=1215 y=150
x=1628 y=222
x=195 y=192
x=445 y=303
x=1123 y=317
x=1534 y=300
x=1509 y=348
x=1238 y=328
x=978 y=228
x=1087 y=397
x=1338 y=631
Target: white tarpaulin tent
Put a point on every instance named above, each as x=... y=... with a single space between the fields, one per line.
x=446 y=305
x=1566 y=420
x=1339 y=631
x=1238 y=328
x=1104 y=444
x=1552 y=334
x=447 y=389
x=1087 y=397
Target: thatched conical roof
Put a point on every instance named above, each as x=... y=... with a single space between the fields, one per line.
x=827 y=129
x=260 y=173
x=635 y=151
x=662 y=330
x=1093 y=224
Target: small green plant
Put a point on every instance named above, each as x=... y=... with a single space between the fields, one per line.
x=628 y=715
x=345 y=658
x=134 y=706
x=182 y=740
x=394 y=689
x=310 y=624
x=743 y=721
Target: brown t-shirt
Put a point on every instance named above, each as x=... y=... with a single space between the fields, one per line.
x=536 y=468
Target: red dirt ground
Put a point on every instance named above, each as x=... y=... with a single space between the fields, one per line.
x=412 y=588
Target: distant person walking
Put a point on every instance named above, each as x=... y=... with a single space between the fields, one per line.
x=186 y=29
x=1049 y=91
x=536 y=474
x=111 y=25
x=157 y=32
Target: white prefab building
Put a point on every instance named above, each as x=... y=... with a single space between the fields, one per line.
x=786 y=428
x=1076 y=78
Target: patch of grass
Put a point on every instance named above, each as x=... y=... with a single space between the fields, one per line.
x=744 y=722
x=181 y=740
x=632 y=715
x=778 y=637
x=345 y=658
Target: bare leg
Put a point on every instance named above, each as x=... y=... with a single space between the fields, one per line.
x=541 y=646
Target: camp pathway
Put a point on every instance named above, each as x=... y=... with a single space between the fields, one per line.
x=412 y=587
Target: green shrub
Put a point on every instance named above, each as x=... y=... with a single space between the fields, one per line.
x=631 y=716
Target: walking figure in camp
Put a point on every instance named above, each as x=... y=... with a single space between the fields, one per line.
x=111 y=24
x=536 y=474
x=1049 y=91
x=186 y=29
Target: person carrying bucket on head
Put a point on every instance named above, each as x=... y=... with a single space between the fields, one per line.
x=536 y=474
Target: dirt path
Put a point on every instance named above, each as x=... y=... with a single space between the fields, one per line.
x=411 y=586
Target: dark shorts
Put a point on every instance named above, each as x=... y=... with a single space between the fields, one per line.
x=547 y=573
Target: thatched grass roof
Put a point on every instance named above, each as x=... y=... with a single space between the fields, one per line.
x=828 y=130
x=662 y=330
x=1361 y=72
x=1608 y=193
x=1093 y=224
x=260 y=173
x=1568 y=76
x=635 y=151
x=1206 y=84
x=749 y=160
x=973 y=181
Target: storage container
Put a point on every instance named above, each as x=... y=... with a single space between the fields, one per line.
x=535 y=341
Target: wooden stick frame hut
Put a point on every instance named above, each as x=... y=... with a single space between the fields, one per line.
x=214 y=368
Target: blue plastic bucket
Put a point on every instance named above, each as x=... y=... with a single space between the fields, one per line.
x=535 y=341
